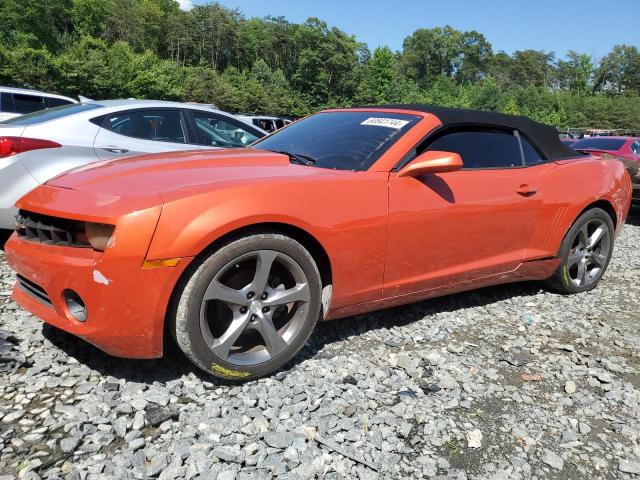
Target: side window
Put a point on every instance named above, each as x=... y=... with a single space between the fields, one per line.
x=481 y=148
x=635 y=148
x=217 y=131
x=531 y=155
x=6 y=102
x=56 y=102
x=27 y=103
x=154 y=125
x=265 y=124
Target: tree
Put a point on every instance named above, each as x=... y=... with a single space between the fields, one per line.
x=89 y=17
x=575 y=73
x=531 y=68
x=214 y=54
x=34 y=23
x=619 y=71
x=429 y=53
x=379 y=78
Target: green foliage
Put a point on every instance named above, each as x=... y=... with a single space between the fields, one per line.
x=212 y=54
x=445 y=51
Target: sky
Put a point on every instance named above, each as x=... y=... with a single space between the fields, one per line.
x=587 y=26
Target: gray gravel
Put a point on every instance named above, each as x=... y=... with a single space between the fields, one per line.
x=510 y=382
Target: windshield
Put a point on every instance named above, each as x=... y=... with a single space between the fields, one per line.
x=51 y=114
x=599 y=143
x=341 y=140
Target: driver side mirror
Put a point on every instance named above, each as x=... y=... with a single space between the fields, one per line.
x=432 y=162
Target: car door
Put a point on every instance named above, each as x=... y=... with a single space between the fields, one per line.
x=457 y=226
x=213 y=130
x=148 y=130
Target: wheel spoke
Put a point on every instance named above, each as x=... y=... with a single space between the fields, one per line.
x=574 y=258
x=218 y=291
x=299 y=293
x=582 y=273
x=222 y=345
x=595 y=237
x=599 y=259
x=273 y=341
x=263 y=268
x=583 y=235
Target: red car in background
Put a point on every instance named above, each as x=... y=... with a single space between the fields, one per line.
x=623 y=147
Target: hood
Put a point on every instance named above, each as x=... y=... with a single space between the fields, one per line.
x=170 y=171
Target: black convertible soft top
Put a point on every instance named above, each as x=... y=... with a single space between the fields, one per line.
x=544 y=137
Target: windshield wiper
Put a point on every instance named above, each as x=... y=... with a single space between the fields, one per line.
x=298 y=158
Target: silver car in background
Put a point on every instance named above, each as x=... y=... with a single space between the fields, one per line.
x=39 y=146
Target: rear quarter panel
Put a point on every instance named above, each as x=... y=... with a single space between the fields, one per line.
x=346 y=212
x=567 y=188
x=76 y=137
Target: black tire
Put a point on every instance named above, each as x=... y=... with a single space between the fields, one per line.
x=562 y=280
x=189 y=331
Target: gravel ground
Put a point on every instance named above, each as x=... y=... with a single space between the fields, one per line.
x=507 y=382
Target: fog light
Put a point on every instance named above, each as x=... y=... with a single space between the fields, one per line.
x=76 y=307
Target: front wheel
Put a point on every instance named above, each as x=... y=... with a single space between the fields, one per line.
x=249 y=307
x=584 y=253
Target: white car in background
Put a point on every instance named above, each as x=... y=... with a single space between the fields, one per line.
x=37 y=147
x=266 y=123
x=20 y=101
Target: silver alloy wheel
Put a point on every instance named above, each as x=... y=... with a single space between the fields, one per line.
x=254 y=307
x=589 y=253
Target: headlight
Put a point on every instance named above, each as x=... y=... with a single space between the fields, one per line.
x=98 y=235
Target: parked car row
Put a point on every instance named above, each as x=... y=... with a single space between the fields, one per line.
x=625 y=149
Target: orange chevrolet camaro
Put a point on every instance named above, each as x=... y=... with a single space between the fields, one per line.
x=238 y=253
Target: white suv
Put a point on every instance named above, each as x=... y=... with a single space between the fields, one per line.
x=19 y=101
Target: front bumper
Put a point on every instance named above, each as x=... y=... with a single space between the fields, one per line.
x=126 y=303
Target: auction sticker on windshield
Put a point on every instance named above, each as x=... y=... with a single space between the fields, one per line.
x=385 y=122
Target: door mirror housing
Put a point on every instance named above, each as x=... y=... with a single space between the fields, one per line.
x=432 y=162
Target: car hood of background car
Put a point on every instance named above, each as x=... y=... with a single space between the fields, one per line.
x=164 y=172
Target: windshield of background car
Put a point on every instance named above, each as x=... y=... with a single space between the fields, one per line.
x=599 y=143
x=341 y=140
x=52 y=114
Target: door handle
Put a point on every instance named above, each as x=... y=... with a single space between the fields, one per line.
x=525 y=190
x=115 y=149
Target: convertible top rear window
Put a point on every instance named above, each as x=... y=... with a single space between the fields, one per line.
x=341 y=140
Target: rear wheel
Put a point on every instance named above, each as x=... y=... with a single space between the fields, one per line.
x=249 y=307
x=585 y=253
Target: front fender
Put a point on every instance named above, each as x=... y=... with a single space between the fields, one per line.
x=346 y=215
